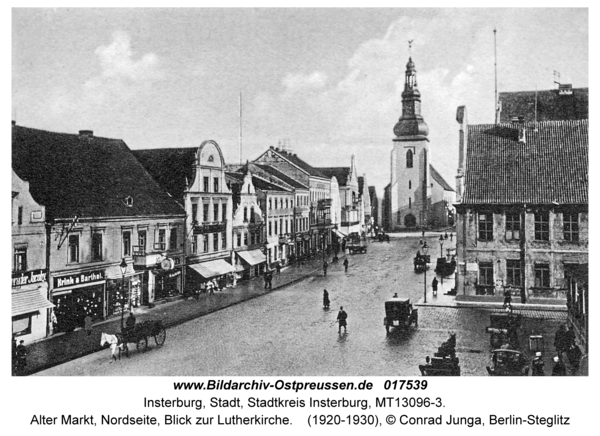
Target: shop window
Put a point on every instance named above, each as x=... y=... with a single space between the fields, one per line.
x=173 y=239
x=126 y=236
x=571 y=226
x=206 y=184
x=542 y=275
x=195 y=244
x=96 y=246
x=542 y=226
x=216 y=212
x=216 y=184
x=485 y=227
x=513 y=226
x=142 y=241
x=73 y=249
x=513 y=272
x=21 y=324
x=215 y=241
x=20 y=259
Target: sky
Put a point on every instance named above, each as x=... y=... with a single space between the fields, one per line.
x=327 y=82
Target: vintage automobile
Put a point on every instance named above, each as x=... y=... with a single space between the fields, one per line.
x=507 y=362
x=383 y=237
x=399 y=313
x=444 y=362
x=421 y=262
x=357 y=248
x=504 y=329
x=445 y=266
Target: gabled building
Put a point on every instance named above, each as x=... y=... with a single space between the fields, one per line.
x=366 y=205
x=375 y=207
x=522 y=212
x=114 y=237
x=195 y=178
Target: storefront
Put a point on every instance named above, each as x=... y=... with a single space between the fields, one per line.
x=219 y=272
x=78 y=295
x=250 y=263
x=30 y=305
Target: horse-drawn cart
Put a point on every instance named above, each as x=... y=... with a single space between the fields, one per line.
x=141 y=332
x=421 y=262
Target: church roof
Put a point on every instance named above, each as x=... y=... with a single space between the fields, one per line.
x=439 y=179
x=86 y=176
x=551 y=166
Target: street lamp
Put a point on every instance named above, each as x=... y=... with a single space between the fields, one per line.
x=442 y=256
x=425 y=249
x=123 y=266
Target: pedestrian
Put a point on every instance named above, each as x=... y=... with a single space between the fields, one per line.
x=446 y=235
x=129 y=325
x=346 y=265
x=434 y=285
x=537 y=365
x=53 y=321
x=325 y=266
x=325 y=299
x=450 y=237
x=560 y=340
x=569 y=338
x=507 y=299
x=88 y=324
x=344 y=245
x=21 y=356
x=278 y=268
x=559 y=368
x=423 y=233
x=266 y=278
x=270 y=280
x=341 y=318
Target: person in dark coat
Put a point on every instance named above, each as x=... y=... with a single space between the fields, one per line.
x=278 y=268
x=569 y=338
x=341 y=318
x=537 y=365
x=434 y=285
x=446 y=235
x=88 y=324
x=21 y=356
x=325 y=266
x=507 y=298
x=346 y=265
x=450 y=237
x=325 y=299
x=560 y=340
x=129 y=324
x=559 y=368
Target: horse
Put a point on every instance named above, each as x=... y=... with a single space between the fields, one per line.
x=115 y=342
x=447 y=349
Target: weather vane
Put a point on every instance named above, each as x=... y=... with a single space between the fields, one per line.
x=410 y=41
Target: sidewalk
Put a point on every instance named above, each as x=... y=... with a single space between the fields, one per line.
x=63 y=347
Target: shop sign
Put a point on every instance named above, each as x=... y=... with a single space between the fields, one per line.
x=177 y=260
x=29 y=277
x=174 y=274
x=78 y=279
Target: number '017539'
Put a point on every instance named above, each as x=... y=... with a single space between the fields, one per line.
x=405 y=384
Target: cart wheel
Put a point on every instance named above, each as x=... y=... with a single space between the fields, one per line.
x=160 y=336
x=142 y=344
x=496 y=340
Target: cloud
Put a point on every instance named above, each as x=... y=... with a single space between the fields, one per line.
x=294 y=83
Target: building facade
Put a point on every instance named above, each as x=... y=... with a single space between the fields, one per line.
x=522 y=211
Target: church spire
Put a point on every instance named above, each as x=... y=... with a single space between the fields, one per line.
x=411 y=123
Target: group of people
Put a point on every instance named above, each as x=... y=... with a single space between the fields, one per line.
x=342 y=315
x=564 y=342
x=326 y=266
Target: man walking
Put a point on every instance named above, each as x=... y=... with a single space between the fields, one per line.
x=325 y=266
x=346 y=265
x=341 y=318
x=434 y=285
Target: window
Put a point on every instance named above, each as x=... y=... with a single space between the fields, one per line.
x=409 y=184
x=223 y=241
x=215 y=241
x=270 y=228
x=409 y=203
x=252 y=239
x=216 y=212
x=205 y=212
x=258 y=237
x=20 y=215
x=280 y=225
x=245 y=214
x=245 y=238
x=20 y=259
x=542 y=275
x=73 y=255
x=485 y=227
x=542 y=226
x=173 y=239
x=21 y=324
x=409 y=159
x=513 y=272
x=96 y=246
x=195 y=244
x=239 y=239
x=252 y=218
x=270 y=204
x=194 y=212
x=205 y=243
x=206 y=184
x=224 y=212
x=216 y=184
x=486 y=279
x=286 y=226
x=571 y=226
x=276 y=227
x=142 y=241
x=513 y=226
x=162 y=239
x=126 y=243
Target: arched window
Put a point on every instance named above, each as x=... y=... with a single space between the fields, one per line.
x=409 y=159
x=252 y=215
x=245 y=214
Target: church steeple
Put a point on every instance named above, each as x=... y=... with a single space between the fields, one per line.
x=411 y=123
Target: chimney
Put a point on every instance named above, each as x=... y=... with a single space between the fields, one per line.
x=86 y=135
x=14 y=123
x=518 y=123
x=565 y=89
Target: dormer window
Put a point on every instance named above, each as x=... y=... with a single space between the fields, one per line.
x=128 y=201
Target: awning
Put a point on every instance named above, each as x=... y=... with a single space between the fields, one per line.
x=27 y=300
x=252 y=257
x=212 y=268
x=340 y=234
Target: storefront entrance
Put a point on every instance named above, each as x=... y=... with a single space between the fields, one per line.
x=72 y=306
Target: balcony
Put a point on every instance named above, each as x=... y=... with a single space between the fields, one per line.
x=210 y=227
x=145 y=259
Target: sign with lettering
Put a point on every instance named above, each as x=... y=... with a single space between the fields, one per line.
x=79 y=279
x=28 y=277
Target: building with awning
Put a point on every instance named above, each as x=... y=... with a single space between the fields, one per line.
x=200 y=273
x=29 y=311
x=250 y=263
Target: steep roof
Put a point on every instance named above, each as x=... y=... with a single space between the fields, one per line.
x=340 y=173
x=361 y=184
x=372 y=193
x=551 y=166
x=551 y=105
x=439 y=179
x=87 y=176
x=282 y=176
x=295 y=160
x=172 y=168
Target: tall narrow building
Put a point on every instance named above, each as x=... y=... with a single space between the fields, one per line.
x=409 y=187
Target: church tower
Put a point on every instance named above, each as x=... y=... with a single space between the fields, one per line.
x=410 y=187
